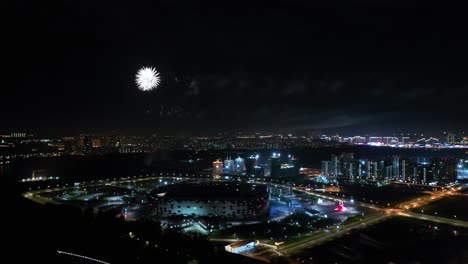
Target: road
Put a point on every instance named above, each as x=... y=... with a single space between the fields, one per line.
x=398 y=210
x=341 y=232
x=436 y=219
x=35 y=195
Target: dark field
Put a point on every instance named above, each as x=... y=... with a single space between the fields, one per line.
x=396 y=240
x=380 y=196
x=455 y=207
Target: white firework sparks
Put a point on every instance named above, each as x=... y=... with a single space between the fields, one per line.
x=147 y=78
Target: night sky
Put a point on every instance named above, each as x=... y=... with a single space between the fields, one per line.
x=282 y=66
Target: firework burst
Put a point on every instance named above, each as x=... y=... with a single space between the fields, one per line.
x=147 y=78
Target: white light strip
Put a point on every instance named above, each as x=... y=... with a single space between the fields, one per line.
x=81 y=256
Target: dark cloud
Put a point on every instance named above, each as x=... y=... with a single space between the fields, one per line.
x=418 y=93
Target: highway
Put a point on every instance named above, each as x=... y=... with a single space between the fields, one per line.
x=436 y=219
x=286 y=250
x=401 y=209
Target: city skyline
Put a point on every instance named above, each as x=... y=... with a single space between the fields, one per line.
x=287 y=67
x=440 y=134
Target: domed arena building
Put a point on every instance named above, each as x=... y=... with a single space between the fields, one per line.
x=215 y=199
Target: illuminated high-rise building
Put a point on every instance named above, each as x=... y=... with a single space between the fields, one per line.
x=239 y=164
x=350 y=171
x=18 y=135
x=325 y=168
x=403 y=170
x=335 y=166
x=388 y=172
x=87 y=144
x=97 y=142
x=380 y=170
x=229 y=166
x=396 y=166
x=414 y=174
x=359 y=171
x=346 y=162
x=451 y=138
x=424 y=175
x=84 y=143
x=217 y=167
x=421 y=173
x=368 y=169
x=462 y=169
x=375 y=169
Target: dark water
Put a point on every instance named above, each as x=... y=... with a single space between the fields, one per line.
x=121 y=165
x=81 y=168
x=74 y=167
